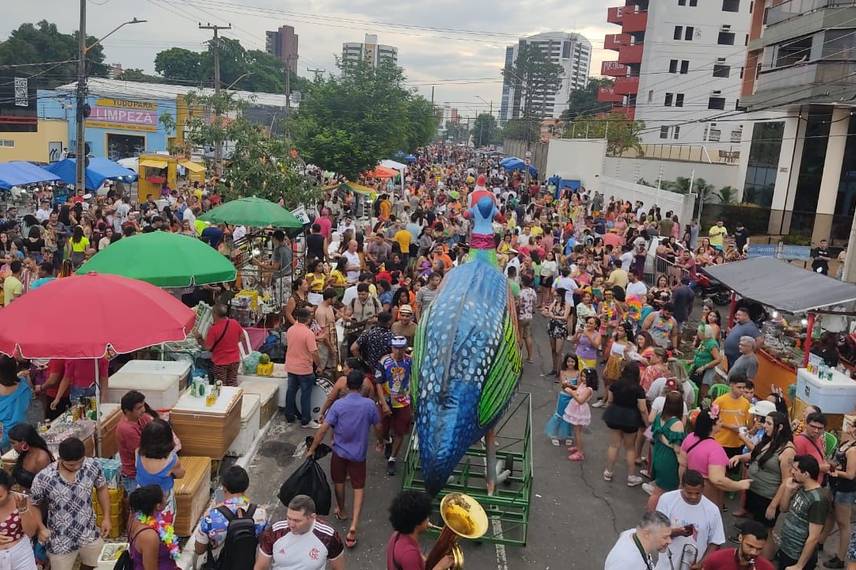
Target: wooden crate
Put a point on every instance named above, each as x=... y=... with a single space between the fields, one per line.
x=208 y=432
x=192 y=493
x=107 y=431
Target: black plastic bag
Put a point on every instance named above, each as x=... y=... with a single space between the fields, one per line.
x=309 y=479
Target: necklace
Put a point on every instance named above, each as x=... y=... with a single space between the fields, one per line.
x=166 y=532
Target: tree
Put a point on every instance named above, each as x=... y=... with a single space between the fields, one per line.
x=347 y=124
x=620 y=132
x=584 y=101
x=135 y=74
x=533 y=76
x=520 y=129
x=179 y=64
x=258 y=164
x=726 y=195
x=43 y=42
x=484 y=130
x=457 y=132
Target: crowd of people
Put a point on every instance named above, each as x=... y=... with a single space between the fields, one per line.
x=613 y=286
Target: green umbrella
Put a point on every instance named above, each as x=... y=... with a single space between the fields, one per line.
x=162 y=259
x=253 y=212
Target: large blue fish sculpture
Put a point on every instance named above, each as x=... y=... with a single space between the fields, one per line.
x=467 y=359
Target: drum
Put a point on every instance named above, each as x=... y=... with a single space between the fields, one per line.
x=319 y=395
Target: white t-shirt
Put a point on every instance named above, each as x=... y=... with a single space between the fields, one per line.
x=625 y=554
x=239 y=232
x=353 y=259
x=568 y=284
x=43 y=214
x=660 y=401
x=657 y=387
x=638 y=289
x=549 y=268
x=704 y=516
x=189 y=217
x=349 y=295
x=626 y=260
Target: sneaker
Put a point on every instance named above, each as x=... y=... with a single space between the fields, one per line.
x=634 y=480
x=834 y=562
x=387 y=448
x=598 y=404
x=607 y=475
x=648 y=488
x=390 y=466
x=576 y=456
x=569 y=442
x=311 y=425
x=645 y=473
x=555 y=442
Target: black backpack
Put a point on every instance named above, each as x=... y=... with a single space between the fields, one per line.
x=239 y=548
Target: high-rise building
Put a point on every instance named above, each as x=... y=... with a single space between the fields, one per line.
x=282 y=43
x=679 y=67
x=369 y=51
x=801 y=72
x=571 y=51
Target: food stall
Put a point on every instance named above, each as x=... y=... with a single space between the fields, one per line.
x=157 y=169
x=800 y=305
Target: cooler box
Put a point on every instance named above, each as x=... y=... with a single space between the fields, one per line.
x=161 y=390
x=207 y=430
x=180 y=369
x=837 y=396
x=250 y=410
x=110 y=553
x=267 y=389
x=192 y=493
x=110 y=416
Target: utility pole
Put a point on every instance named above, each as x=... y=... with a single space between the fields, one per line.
x=215 y=46
x=80 y=153
x=317 y=72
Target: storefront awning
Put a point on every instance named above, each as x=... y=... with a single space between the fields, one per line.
x=153 y=163
x=192 y=166
x=20 y=173
x=782 y=286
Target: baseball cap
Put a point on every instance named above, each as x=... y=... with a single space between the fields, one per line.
x=762 y=408
x=398 y=342
x=405 y=310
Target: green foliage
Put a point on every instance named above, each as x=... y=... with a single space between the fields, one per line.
x=621 y=133
x=43 y=42
x=533 y=76
x=139 y=75
x=259 y=165
x=522 y=130
x=179 y=64
x=485 y=130
x=347 y=124
x=584 y=101
x=726 y=195
x=457 y=132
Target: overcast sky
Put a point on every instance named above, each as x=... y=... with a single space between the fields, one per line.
x=459 y=45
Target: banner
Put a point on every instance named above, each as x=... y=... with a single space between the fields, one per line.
x=17 y=104
x=122 y=114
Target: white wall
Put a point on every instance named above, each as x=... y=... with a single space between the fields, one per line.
x=632 y=169
x=681 y=204
x=578 y=159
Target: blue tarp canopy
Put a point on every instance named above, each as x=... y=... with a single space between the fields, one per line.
x=99 y=170
x=514 y=163
x=20 y=173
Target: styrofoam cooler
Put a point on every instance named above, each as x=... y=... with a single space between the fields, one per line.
x=161 y=390
x=250 y=413
x=836 y=396
x=179 y=368
x=267 y=389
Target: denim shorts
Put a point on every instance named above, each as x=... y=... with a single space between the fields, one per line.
x=844 y=498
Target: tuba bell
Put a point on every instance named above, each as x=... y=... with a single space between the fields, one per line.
x=463 y=517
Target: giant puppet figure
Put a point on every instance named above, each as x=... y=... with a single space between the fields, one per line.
x=467 y=360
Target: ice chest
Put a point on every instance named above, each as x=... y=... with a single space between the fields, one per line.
x=836 y=396
x=110 y=416
x=250 y=409
x=177 y=368
x=207 y=430
x=267 y=389
x=161 y=389
x=192 y=493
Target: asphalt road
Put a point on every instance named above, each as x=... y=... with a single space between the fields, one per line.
x=575 y=516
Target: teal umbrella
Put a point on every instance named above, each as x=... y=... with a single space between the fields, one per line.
x=253 y=212
x=162 y=259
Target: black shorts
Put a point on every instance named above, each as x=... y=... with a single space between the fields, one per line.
x=547 y=282
x=622 y=429
x=757 y=507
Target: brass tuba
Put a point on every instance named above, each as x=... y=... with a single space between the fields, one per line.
x=462 y=517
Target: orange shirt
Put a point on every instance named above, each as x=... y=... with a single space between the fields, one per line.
x=300 y=344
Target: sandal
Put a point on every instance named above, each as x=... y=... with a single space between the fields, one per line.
x=351 y=538
x=607 y=475
x=576 y=456
x=340 y=515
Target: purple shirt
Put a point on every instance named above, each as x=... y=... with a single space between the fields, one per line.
x=351 y=418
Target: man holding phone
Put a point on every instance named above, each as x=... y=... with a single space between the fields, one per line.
x=696 y=522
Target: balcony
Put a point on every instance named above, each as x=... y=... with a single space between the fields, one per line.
x=616 y=41
x=796 y=8
x=630 y=54
x=626 y=85
x=615 y=15
x=634 y=22
x=821 y=82
x=613 y=69
x=608 y=95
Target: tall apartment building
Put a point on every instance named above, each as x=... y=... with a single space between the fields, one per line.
x=801 y=72
x=369 y=51
x=679 y=66
x=282 y=43
x=571 y=51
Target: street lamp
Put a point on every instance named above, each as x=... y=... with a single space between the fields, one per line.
x=82 y=50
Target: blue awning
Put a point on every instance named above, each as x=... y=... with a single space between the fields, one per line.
x=20 y=173
x=99 y=170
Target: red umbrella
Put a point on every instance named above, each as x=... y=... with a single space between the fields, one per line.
x=82 y=316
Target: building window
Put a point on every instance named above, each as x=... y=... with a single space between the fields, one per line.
x=664 y=132
x=688 y=34
x=668 y=101
x=685 y=66
x=679 y=30
x=682 y=2
x=716 y=103
x=721 y=70
x=7 y=143
x=730 y=5
x=673 y=66
x=741 y=72
x=679 y=100
x=650 y=95
x=737 y=134
x=713 y=134
x=796 y=51
x=725 y=39
x=566 y=50
x=693 y=2
x=676 y=132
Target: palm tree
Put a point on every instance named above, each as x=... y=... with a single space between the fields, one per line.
x=726 y=195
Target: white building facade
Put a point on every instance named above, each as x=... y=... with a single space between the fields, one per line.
x=370 y=51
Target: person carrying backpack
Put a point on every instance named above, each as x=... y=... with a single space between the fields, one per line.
x=229 y=532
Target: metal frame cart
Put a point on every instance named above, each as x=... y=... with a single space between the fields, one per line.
x=508 y=507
